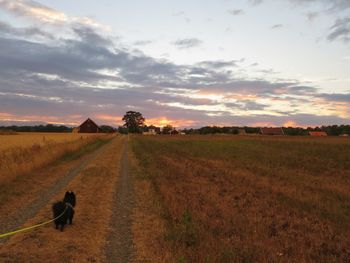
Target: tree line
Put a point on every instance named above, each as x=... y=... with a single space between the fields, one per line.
x=134 y=122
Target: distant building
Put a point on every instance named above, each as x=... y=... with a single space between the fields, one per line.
x=318 y=133
x=174 y=132
x=150 y=132
x=88 y=126
x=271 y=131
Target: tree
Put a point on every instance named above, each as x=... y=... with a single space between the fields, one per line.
x=167 y=129
x=107 y=129
x=134 y=121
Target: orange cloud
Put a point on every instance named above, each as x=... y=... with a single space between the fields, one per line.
x=263 y=124
x=290 y=124
x=163 y=121
x=110 y=119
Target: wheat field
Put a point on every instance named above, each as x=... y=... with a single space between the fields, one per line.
x=27 y=139
x=24 y=152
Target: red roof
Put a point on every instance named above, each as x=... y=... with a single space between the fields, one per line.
x=89 y=126
x=317 y=133
x=271 y=131
x=174 y=132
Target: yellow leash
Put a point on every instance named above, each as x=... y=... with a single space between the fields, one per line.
x=32 y=227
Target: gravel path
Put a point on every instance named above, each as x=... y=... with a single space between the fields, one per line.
x=120 y=245
x=21 y=216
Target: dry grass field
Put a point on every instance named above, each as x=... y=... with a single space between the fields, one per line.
x=28 y=139
x=23 y=152
x=85 y=240
x=241 y=199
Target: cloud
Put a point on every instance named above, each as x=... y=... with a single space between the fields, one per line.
x=255 y=2
x=7 y=29
x=311 y=16
x=236 y=12
x=88 y=73
x=340 y=30
x=339 y=97
x=334 y=5
x=276 y=26
x=34 y=10
x=187 y=43
x=142 y=42
x=43 y=14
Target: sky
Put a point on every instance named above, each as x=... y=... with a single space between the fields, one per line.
x=185 y=63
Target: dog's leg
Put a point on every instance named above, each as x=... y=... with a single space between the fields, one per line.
x=56 y=226
x=62 y=228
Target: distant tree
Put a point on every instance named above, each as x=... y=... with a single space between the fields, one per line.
x=122 y=130
x=134 y=121
x=107 y=129
x=166 y=129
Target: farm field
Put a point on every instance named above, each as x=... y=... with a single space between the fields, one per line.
x=92 y=174
x=28 y=139
x=241 y=199
x=23 y=152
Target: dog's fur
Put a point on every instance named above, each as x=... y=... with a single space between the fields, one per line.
x=69 y=197
x=68 y=203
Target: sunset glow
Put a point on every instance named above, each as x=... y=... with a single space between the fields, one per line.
x=266 y=63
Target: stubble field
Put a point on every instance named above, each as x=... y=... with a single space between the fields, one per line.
x=242 y=199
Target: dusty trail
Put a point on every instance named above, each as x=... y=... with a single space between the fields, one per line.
x=120 y=241
x=21 y=216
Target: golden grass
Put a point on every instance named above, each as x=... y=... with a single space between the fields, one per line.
x=21 y=154
x=28 y=139
x=148 y=227
x=85 y=240
x=248 y=199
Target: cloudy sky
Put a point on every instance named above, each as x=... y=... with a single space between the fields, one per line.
x=188 y=63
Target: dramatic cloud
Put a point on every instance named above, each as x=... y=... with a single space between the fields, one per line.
x=88 y=73
x=7 y=29
x=44 y=14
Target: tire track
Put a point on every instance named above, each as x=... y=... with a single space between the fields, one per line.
x=23 y=215
x=120 y=242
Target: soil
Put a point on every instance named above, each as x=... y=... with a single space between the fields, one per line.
x=120 y=241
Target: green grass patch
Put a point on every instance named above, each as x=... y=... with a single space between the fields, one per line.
x=70 y=156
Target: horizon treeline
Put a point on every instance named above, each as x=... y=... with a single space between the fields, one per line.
x=332 y=130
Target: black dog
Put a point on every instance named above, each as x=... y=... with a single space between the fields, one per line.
x=64 y=208
x=69 y=197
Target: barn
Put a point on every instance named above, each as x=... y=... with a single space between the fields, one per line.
x=88 y=126
x=318 y=133
x=174 y=132
x=271 y=131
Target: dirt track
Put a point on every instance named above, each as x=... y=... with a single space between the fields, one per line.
x=102 y=228
x=120 y=244
x=22 y=215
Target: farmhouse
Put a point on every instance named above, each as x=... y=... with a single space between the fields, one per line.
x=271 y=131
x=88 y=126
x=150 y=132
x=317 y=133
x=174 y=132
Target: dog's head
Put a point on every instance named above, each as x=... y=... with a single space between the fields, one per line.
x=69 y=197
